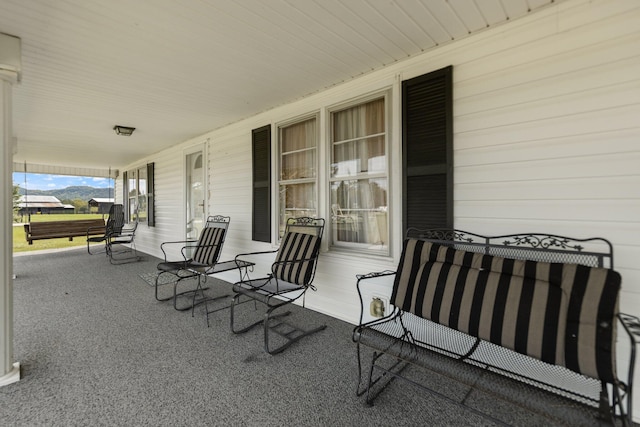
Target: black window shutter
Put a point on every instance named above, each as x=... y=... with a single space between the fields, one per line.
x=261 y=157
x=151 y=213
x=427 y=143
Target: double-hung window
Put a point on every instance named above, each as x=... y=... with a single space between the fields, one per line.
x=359 y=177
x=298 y=171
x=138 y=190
x=142 y=195
x=132 y=194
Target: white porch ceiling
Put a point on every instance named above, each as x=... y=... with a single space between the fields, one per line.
x=175 y=69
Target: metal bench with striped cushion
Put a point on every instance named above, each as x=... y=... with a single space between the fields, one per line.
x=516 y=321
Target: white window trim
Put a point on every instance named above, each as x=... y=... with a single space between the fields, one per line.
x=275 y=174
x=387 y=94
x=391 y=94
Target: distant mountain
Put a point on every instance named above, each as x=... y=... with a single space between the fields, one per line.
x=72 y=193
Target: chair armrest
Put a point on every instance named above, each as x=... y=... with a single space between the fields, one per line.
x=89 y=229
x=248 y=254
x=368 y=276
x=124 y=234
x=242 y=263
x=122 y=237
x=127 y=230
x=292 y=261
x=176 y=242
x=195 y=247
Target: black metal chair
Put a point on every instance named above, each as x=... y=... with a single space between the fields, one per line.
x=199 y=259
x=113 y=227
x=291 y=276
x=121 y=246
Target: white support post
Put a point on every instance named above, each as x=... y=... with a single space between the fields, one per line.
x=9 y=74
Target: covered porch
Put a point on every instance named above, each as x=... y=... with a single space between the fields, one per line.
x=540 y=135
x=96 y=348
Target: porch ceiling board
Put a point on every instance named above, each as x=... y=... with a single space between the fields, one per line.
x=176 y=69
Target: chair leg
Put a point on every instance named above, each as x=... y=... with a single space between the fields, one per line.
x=156 y=284
x=291 y=336
x=204 y=299
x=195 y=293
x=236 y=301
x=114 y=259
x=208 y=312
x=94 y=252
x=176 y=294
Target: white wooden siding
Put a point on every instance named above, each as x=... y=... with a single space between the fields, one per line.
x=545 y=140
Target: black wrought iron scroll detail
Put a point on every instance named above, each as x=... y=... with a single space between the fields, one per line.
x=303 y=220
x=544 y=242
x=446 y=234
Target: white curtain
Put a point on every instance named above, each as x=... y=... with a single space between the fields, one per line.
x=298 y=171
x=359 y=150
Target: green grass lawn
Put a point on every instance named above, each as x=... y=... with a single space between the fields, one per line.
x=20 y=243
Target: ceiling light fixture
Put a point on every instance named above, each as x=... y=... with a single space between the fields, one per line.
x=123 y=130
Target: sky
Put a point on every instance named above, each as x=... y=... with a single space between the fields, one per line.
x=38 y=181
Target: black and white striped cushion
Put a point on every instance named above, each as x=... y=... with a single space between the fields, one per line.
x=544 y=310
x=209 y=245
x=295 y=247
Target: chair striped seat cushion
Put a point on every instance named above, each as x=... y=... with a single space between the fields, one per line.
x=562 y=314
x=294 y=248
x=209 y=245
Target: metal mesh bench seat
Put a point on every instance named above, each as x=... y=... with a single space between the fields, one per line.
x=548 y=391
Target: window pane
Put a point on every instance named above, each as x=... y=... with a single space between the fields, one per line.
x=359 y=203
x=133 y=194
x=297 y=200
x=298 y=151
x=142 y=195
x=298 y=136
x=298 y=170
x=298 y=165
x=132 y=184
x=359 y=212
x=142 y=208
x=359 y=121
x=133 y=208
x=359 y=156
x=142 y=181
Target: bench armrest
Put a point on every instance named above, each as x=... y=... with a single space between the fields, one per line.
x=631 y=325
x=368 y=276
